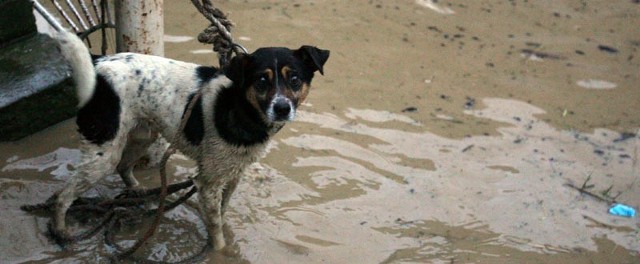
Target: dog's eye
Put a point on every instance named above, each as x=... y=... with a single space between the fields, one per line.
x=263 y=80
x=262 y=84
x=295 y=82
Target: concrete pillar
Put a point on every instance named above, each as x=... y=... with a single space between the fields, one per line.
x=140 y=26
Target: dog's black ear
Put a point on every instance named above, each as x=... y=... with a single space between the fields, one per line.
x=313 y=57
x=236 y=68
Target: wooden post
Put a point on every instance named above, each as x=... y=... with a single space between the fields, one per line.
x=140 y=26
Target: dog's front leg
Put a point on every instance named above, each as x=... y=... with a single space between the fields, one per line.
x=226 y=194
x=210 y=201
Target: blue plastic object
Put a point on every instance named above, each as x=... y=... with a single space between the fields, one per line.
x=622 y=210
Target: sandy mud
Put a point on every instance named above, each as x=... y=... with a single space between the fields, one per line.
x=441 y=132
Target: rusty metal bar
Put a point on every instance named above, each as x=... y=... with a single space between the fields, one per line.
x=140 y=26
x=47 y=16
x=75 y=13
x=87 y=15
x=94 y=4
x=65 y=16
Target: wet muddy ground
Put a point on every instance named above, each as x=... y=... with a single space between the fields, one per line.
x=442 y=132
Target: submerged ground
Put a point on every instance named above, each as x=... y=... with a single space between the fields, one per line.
x=441 y=133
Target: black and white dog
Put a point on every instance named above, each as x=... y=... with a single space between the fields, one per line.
x=126 y=100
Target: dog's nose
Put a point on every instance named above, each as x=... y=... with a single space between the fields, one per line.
x=282 y=108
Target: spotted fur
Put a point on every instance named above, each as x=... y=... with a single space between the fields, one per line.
x=134 y=99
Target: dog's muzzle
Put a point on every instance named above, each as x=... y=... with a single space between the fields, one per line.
x=281 y=110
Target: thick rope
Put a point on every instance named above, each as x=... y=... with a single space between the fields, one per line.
x=218 y=33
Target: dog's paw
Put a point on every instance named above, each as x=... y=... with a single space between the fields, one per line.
x=61 y=237
x=218 y=242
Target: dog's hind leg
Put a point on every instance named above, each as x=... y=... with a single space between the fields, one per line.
x=97 y=162
x=139 y=140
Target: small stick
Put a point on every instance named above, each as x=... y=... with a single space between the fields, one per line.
x=588 y=193
x=584 y=190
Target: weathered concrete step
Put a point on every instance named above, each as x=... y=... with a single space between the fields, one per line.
x=36 y=90
x=16 y=19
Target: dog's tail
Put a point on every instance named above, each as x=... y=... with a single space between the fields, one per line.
x=78 y=56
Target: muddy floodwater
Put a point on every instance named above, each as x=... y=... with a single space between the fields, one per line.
x=441 y=132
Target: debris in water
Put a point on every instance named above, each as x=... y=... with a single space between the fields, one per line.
x=624 y=136
x=533 y=44
x=470 y=103
x=607 y=49
x=622 y=210
x=467 y=148
x=410 y=109
x=534 y=54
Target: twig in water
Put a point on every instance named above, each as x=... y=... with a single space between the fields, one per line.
x=584 y=189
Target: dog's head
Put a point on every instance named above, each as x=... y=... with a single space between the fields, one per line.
x=276 y=81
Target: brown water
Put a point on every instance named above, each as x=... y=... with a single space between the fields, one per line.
x=510 y=99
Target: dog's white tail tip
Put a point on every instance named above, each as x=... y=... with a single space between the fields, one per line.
x=79 y=58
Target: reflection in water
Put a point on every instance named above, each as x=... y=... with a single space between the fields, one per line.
x=493 y=191
x=176 y=39
x=60 y=159
x=431 y=4
x=596 y=84
x=378 y=116
x=524 y=199
x=376 y=185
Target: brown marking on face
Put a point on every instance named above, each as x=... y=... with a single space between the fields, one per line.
x=271 y=92
x=269 y=73
x=268 y=95
x=285 y=71
x=302 y=93
x=252 y=98
x=285 y=75
x=295 y=96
